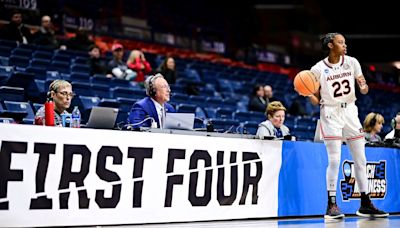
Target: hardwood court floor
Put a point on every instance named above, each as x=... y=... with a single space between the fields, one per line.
x=349 y=221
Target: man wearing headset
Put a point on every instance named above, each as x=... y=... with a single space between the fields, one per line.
x=396 y=126
x=154 y=106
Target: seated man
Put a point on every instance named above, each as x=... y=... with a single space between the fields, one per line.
x=154 y=105
x=395 y=125
x=117 y=67
x=61 y=92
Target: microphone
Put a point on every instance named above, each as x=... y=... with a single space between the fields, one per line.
x=244 y=131
x=153 y=123
x=229 y=129
x=208 y=123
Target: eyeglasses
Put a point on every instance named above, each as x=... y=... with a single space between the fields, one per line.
x=165 y=86
x=64 y=94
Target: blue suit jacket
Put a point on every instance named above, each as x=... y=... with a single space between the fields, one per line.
x=143 y=109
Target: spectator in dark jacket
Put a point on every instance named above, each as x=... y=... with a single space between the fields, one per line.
x=269 y=94
x=15 y=30
x=45 y=35
x=96 y=64
x=167 y=69
x=257 y=102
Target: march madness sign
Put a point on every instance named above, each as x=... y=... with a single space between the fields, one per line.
x=377 y=183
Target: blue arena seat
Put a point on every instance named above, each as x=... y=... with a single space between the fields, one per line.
x=22 y=52
x=101 y=90
x=80 y=68
x=186 y=108
x=19 y=61
x=225 y=125
x=8 y=93
x=6 y=120
x=125 y=104
x=250 y=127
x=20 y=106
x=224 y=113
x=82 y=89
x=42 y=55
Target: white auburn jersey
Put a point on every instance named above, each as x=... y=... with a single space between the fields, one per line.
x=337 y=80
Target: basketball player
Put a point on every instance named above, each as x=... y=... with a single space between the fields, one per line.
x=338 y=75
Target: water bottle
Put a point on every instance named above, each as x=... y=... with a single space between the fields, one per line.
x=76 y=118
x=49 y=112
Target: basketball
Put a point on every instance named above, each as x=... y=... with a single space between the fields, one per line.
x=305 y=83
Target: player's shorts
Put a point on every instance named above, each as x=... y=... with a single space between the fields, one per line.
x=340 y=122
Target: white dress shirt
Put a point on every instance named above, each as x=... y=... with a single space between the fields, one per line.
x=160 y=112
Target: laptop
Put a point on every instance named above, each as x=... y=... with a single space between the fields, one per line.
x=179 y=121
x=102 y=118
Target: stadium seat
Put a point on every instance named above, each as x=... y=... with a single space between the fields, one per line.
x=101 y=79
x=128 y=93
x=19 y=61
x=6 y=120
x=81 y=60
x=215 y=102
x=8 y=43
x=210 y=112
x=8 y=93
x=20 y=79
x=115 y=82
x=102 y=91
x=186 y=108
x=61 y=58
x=179 y=97
x=82 y=89
x=60 y=66
x=224 y=113
x=250 y=127
x=125 y=104
x=198 y=100
x=5 y=51
x=22 y=52
x=225 y=125
x=37 y=106
x=86 y=103
x=39 y=72
x=80 y=68
x=22 y=107
x=36 y=62
x=80 y=77
x=42 y=55
x=249 y=116
x=112 y=103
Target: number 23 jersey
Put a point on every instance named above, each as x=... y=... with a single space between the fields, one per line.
x=337 y=80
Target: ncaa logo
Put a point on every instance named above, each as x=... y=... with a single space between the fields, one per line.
x=326 y=71
x=346 y=66
x=346 y=169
